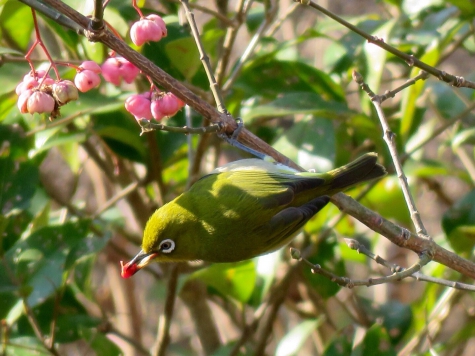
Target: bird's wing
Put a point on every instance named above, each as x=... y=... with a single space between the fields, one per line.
x=272 y=188
x=283 y=226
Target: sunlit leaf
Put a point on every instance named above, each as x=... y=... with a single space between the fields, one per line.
x=291 y=343
x=236 y=280
x=459 y=224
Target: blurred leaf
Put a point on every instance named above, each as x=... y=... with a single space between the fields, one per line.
x=25 y=346
x=123 y=136
x=61 y=138
x=17 y=185
x=176 y=54
x=339 y=346
x=310 y=142
x=326 y=255
x=297 y=103
x=184 y=55
x=13 y=14
x=235 y=280
x=71 y=317
x=412 y=94
x=397 y=319
x=269 y=77
x=292 y=342
x=463 y=138
x=375 y=343
x=388 y=200
x=459 y=224
x=11 y=74
x=467 y=8
x=100 y=343
x=376 y=56
x=44 y=275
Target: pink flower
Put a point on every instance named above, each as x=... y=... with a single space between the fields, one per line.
x=92 y=66
x=156 y=113
x=23 y=99
x=86 y=79
x=139 y=106
x=166 y=105
x=26 y=84
x=150 y=28
x=65 y=91
x=117 y=68
x=40 y=102
x=38 y=74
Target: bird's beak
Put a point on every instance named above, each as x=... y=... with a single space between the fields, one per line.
x=137 y=263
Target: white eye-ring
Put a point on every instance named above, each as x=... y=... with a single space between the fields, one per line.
x=167 y=246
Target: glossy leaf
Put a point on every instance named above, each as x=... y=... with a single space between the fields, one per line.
x=459 y=224
x=309 y=142
x=235 y=280
x=291 y=343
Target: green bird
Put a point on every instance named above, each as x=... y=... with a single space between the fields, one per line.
x=241 y=210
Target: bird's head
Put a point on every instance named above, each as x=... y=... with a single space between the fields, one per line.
x=143 y=258
x=163 y=240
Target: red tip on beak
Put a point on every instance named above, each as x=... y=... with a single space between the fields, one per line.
x=128 y=270
x=136 y=264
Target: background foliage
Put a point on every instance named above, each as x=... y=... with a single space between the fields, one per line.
x=61 y=242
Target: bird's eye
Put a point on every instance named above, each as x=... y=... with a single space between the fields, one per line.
x=167 y=246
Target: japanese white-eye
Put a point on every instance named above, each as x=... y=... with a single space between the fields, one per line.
x=243 y=209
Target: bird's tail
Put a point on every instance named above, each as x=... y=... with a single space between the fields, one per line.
x=362 y=169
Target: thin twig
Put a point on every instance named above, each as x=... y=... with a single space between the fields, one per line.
x=388 y=136
x=37 y=330
x=350 y=283
x=357 y=246
x=229 y=40
x=270 y=13
x=412 y=61
x=112 y=201
x=165 y=320
x=204 y=58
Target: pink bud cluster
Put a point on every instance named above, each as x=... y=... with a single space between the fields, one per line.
x=87 y=76
x=156 y=105
x=114 y=69
x=149 y=28
x=39 y=93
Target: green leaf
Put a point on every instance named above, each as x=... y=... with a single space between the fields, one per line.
x=184 y=55
x=339 y=346
x=309 y=142
x=235 y=280
x=463 y=138
x=327 y=256
x=292 y=342
x=467 y=8
x=375 y=343
x=412 y=94
x=13 y=14
x=18 y=182
x=124 y=136
x=459 y=224
x=397 y=319
x=60 y=139
x=270 y=77
x=45 y=275
x=100 y=343
x=11 y=74
x=376 y=59
x=25 y=346
x=297 y=103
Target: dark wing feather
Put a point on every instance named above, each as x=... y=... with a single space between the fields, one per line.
x=287 y=222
